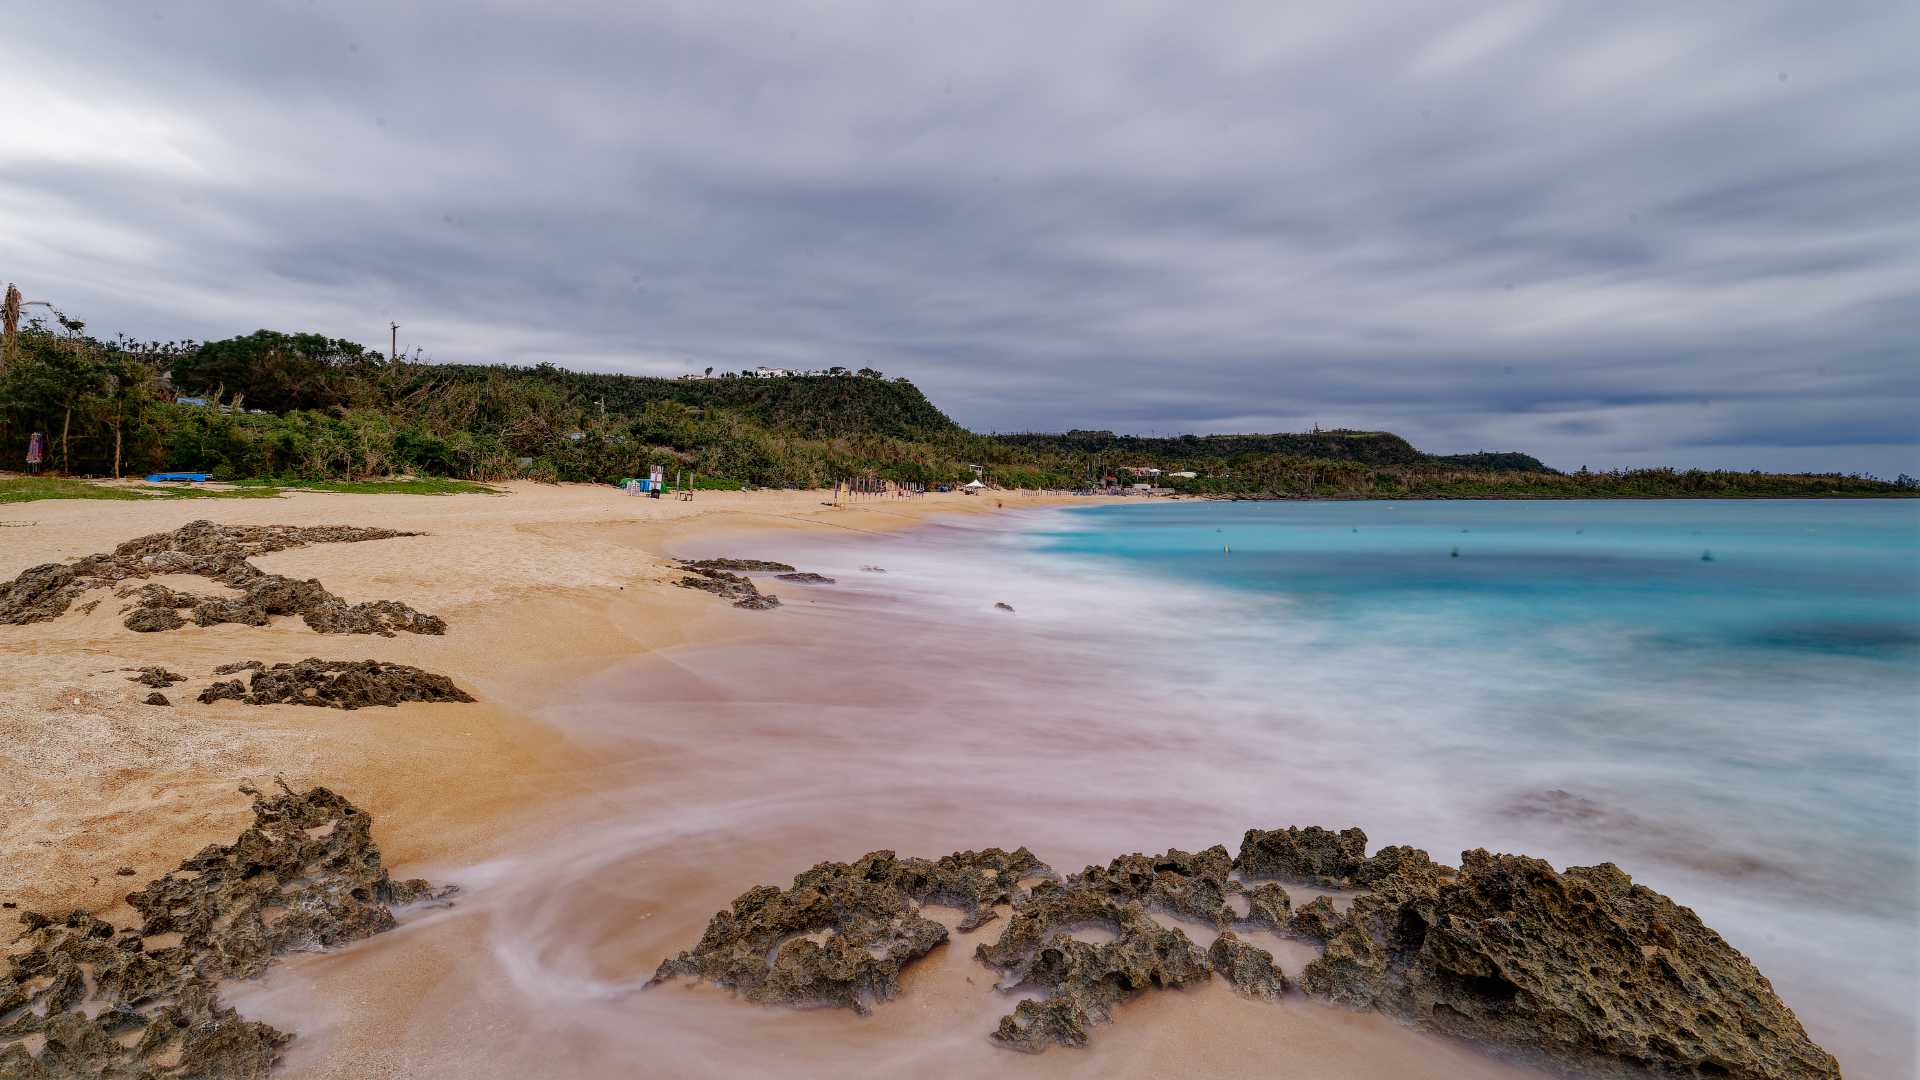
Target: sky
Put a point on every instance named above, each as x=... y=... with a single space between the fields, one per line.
x=1610 y=234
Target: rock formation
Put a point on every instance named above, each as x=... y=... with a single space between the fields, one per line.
x=842 y=933
x=740 y=565
x=346 y=684
x=105 y=1005
x=333 y=684
x=218 y=553
x=1583 y=971
x=1586 y=970
x=157 y=677
x=807 y=578
x=736 y=588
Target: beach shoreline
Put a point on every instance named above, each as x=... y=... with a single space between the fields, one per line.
x=640 y=755
x=541 y=586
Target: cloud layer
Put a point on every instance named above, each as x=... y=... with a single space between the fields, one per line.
x=1608 y=234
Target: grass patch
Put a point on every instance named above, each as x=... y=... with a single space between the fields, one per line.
x=35 y=488
x=418 y=485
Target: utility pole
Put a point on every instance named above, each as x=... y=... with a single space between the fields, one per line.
x=393 y=347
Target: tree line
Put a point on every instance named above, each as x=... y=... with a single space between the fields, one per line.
x=304 y=406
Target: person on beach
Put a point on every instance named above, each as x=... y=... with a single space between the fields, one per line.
x=36 y=453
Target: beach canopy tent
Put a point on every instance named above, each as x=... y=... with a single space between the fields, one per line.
x=975 y=486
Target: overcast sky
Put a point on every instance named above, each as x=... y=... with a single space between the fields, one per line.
x=1605 y=233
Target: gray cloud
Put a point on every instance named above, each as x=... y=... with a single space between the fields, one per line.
x=1607 y=234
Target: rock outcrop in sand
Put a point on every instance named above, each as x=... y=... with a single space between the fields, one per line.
x=333 y=684
x=843 y=932
x=1583 y=971
x=763 y=566
x=105 y=1004
x=218 y=553
x=735 y=588
x=1585 y=968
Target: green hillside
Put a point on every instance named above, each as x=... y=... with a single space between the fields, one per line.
x=307 y=408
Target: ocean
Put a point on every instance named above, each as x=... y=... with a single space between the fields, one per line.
x=1721 y=697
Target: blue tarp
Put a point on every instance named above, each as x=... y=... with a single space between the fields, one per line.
x=179 y=477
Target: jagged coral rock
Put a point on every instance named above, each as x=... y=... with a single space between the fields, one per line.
x=219 y=553
x=227 y=690
x=348 y=684
x=1192 y=885
x=1599 y=975
x=839 y=936
x=1248 y=967
x=104 y=1006
x=752 y=565
x=1083 y=979
x=158 y=678
x=736 y=588
x=1269 y=907
x=1585 y=971
x=1310 y=854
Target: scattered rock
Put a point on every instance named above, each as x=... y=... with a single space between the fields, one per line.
x=238 y=666
x=874 y=569
x=841 y=935
x=807 y=578
x=731 y=587
x=1004 y=606
x=230 y=690
x=219 y=553
x=158 y=698
x=125 y=871
x=305 y=876
x=157 y=677
x=748 y=565
x=346 y=684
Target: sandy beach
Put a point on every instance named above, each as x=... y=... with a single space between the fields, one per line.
x=539 y=585
x=639 y=755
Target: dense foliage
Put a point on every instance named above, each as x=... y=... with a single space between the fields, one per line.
x=304 y=407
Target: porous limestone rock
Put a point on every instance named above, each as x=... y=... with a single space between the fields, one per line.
x=1083 y=980
x=218 y=553
x=158 y=678
x=736 y=588
x=105 y=1005
x=348 y=684
x=226 y=690
x=749 y=565
x=1586 y=970
x=842 y=933
x=1248 y=967
x=1195 y=886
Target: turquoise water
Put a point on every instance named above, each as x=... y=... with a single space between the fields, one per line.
x=1723 y=697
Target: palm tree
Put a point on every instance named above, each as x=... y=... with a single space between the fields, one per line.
x=10 y=314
